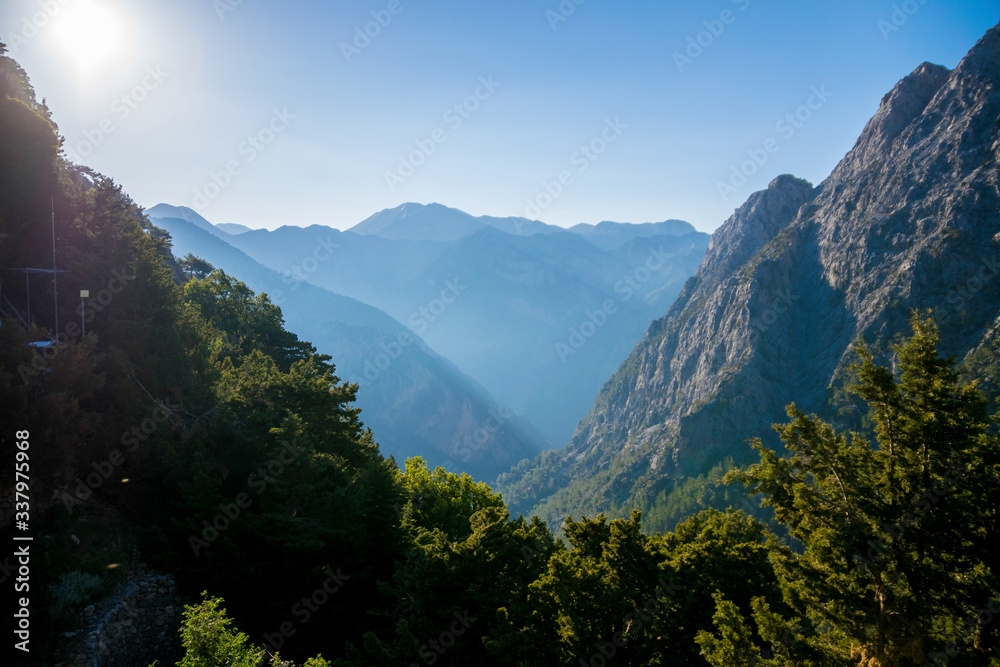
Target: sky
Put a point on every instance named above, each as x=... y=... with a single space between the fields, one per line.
x=567 y=111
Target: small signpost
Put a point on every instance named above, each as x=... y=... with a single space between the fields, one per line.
x=83 y=313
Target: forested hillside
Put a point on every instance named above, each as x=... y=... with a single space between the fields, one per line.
x=417 y=401
x=189 y=430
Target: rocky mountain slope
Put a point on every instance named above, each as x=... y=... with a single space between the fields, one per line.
x=909 y=219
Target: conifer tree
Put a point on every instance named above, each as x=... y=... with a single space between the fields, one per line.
x=893 y=530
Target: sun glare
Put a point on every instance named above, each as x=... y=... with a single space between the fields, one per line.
x=91 y=34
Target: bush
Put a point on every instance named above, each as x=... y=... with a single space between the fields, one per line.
x=74 y=589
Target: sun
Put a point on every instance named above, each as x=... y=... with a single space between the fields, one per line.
x=91 y=34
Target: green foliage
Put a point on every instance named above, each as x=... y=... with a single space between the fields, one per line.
x=74 y=589
x=474 y=588
x=531 y=480
x=733 y=648
x=983 y=365
x=250 y=322
x=599 y=589
x=195 y=267
x=895 y=535
x=440 y=500
x=234 y=454
x=209 y=640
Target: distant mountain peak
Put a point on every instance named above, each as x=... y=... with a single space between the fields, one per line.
x=180 y=213
x=898 y=109
x=223 y=230
x=437 y=222
x=418 y=222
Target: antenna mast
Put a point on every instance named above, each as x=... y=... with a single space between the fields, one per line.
x=55 y=288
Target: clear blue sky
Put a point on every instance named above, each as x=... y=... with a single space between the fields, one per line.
x=222 y=68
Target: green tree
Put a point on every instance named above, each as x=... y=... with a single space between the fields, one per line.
x=249 y=321
x=437 y=499
x=735 y=647
x=209 y=640
x=895 y=535
x=714 y=553
x=465 y=601
x=195 y=267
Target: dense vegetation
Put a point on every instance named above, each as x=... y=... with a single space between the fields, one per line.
x=190 y=431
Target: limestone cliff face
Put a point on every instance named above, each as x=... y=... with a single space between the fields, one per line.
x=910 y=218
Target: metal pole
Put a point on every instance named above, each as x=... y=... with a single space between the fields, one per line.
x=84 y=293
x=55 y=288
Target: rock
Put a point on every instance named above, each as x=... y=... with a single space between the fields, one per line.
x=789 y=282
x=137 y=624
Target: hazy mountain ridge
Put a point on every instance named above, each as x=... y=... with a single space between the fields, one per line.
x=608 y=235
x=418 y=403
x=435 y=222
x=519 y=301
x=233 y=229
x=908 y=219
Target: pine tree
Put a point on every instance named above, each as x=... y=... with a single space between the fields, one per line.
x=894 y=531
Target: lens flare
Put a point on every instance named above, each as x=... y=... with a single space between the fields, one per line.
x=91 y=34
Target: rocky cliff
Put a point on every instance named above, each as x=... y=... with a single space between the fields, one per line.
x=909 y=219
